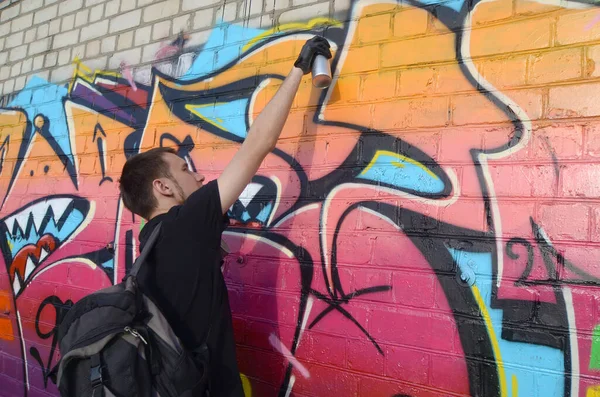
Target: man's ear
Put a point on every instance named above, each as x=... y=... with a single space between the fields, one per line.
x=162 y=187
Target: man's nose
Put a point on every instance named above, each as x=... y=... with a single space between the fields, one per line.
x=200 y=177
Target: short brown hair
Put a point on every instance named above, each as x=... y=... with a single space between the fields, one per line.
x=136 y=180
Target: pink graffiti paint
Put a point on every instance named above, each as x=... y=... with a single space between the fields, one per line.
x=280 y=347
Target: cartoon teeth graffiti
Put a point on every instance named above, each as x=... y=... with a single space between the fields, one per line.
x=36 y=231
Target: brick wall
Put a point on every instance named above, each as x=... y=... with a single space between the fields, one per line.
x=428 y=225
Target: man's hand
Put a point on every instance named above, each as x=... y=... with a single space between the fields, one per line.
x=313 y=47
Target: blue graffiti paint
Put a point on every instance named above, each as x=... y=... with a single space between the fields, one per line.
x=263 y=215
x=41 y=97
x=223 y=46
x=456 y=5
x=228 y=116
x=519 y=358
x=401 y=172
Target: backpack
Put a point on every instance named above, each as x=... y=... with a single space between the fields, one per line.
x=116 y=342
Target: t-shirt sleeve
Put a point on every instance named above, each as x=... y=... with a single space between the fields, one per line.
x=201 y=216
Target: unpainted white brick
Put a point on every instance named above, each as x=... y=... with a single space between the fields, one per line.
x=9 y=86
x=341 y=6
x=150 y=52
x=108 y=44
x=112 y=8
x=161 y=10
x=14 y=40
x=303 y=2
x=67 y=6
x=188 y=5
x=256 y=6
x=4 y=29
x=89 y=3
x=143 y=74
x=182 y=23
x=27 y=65
x=45 y=14
x=96 y=63
x=54 y=26
x=39 y=46
x=21 y=23
x=31 y=5
x=29 y=36
x=262 y=21
x=51 y=59
x=125 y=41
x=10 y=12
x=78 y=51
x=38 y=62
x=203 y=18
x=20 y=82
x=94 y=30
x=276 y=5
x=68 y=23
x=62 y=73
x=142 y=3
x=227 y=13
x=43 y=74
x=96 y=13
x=131 y=57
x=81 y=18
x=4 y=72
x=125 y=21
x=48 y=2
x=199 y=38
x=65 y=39
x=305 y=13
x=15 y=70
x=1 y=88
x=64 y=56
x=127 y=5
x=92 y=49
x=2 y=41
x=161 y=30
x=42 y=31
x=142 y=35
x=3 y=58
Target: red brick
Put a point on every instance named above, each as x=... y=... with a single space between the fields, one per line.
x=368 y=278
x=515 y=217
x=565 y=221
x=326 y=381
x=406 y=364
x=414 y=289
x=574 y=101
x=322 y=348
x=363 y=357
x=581 y=180
x=374 y=387
x=553 y=66
x=596 y=224
x=545 y=184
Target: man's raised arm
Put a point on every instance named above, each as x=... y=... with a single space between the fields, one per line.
x=264 y=132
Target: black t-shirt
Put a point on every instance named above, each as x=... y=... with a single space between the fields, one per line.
x=179 y=276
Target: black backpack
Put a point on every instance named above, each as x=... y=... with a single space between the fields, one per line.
x=116 y=342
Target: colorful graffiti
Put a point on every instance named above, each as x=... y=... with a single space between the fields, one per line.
x=425 y=227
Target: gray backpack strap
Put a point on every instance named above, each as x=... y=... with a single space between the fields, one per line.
x=147 y=248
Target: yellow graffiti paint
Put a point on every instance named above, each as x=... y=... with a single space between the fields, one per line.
x=398 y=162
x=493 y=339
x=215 y=121
x=246 y=385
x=515 y=386
x=593 y=391
x=288 y=27
x=87 y=74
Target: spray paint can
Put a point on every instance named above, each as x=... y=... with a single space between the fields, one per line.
x=321 y=72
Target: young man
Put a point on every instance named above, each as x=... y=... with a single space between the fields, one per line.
x=158 y=186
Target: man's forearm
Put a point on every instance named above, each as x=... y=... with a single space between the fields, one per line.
x=267 y=127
